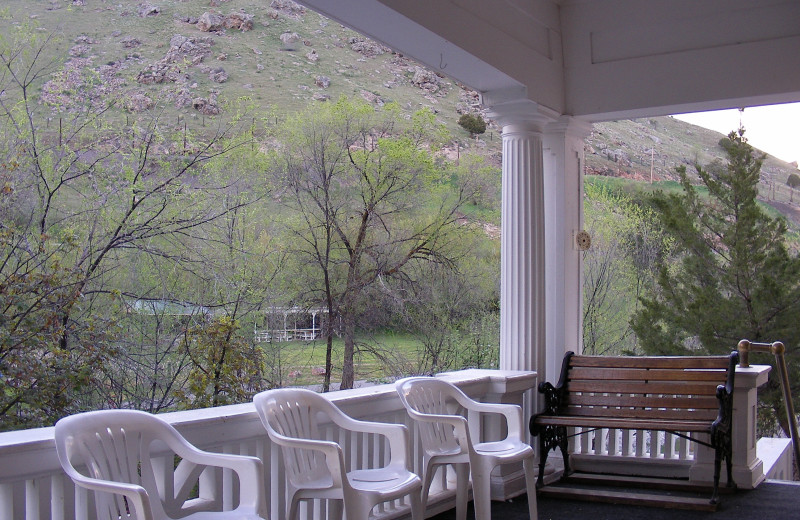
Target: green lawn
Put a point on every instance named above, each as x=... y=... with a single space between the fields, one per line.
x=380 y=356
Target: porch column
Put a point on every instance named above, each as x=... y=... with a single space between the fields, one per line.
x=522 y=240
x=563 y=143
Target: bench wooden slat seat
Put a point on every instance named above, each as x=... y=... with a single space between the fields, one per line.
x=689 y=396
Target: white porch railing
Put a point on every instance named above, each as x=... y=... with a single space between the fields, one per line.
x=33 y=487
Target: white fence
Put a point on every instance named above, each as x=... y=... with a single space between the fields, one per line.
x=32 y=486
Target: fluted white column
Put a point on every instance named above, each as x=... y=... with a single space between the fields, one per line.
x=563 y=157
x=522 y=259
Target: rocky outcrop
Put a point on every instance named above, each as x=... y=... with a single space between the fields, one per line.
x=240 y=21
x=207 y=106
x=182 y=50
x=426 y=80
x=147 y=9
x=137 y=102
x=218 y=75
x=367 y=47
x=288 y=8
x=210 y=22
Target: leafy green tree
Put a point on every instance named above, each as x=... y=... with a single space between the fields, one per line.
x=226 y=368
x=628 y=246
x=369 y=198
x=473 y=124
x=735 y=278
x=80 y=202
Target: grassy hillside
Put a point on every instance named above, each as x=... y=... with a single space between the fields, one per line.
x=160 y=57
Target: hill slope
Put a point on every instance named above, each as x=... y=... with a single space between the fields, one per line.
x=187 y=59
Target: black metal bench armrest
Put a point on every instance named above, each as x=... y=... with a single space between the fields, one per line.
x=553 y=395
x=722 y=424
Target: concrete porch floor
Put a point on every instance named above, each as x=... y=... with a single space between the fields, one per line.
x=773 y=499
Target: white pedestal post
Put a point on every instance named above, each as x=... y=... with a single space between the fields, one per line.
x=748 y=469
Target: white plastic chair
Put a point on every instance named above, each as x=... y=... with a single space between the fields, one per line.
x=116 y=448
x=316 y=467
x=446 y=439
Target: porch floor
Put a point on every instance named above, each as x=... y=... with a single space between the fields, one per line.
x=772 y=499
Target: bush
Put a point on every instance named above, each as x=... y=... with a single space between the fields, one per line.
x=473 y=124
x=793 y=181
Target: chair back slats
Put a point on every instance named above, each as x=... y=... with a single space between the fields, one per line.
x=113 y=448
x=296 y=419
x=433 y=401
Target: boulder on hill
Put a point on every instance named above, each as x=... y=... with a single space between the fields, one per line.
x=218 y=75
x=146 y=10
x=367 y=47
x=79 y=50
x=137 y=102
x=322 y=81
x=289 y=39
x=209 y=22
x=206 y=106
x=426 y=80
x=240 y=21
x=288 y=7
x=130 y=42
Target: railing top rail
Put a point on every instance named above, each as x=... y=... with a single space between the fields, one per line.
x=27 y=454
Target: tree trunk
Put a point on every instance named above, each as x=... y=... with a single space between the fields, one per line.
x=349 y=332
x=326 y=383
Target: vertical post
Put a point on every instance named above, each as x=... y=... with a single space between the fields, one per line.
x=563 y=203
x=748 y=469
x=522 y=242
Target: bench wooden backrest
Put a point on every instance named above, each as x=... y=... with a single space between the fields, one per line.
x=663 y=387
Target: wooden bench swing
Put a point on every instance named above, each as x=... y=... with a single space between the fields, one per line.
x=687 y=396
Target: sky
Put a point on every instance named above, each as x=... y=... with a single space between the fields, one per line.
x=774 y=129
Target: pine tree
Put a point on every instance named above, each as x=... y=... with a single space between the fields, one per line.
x=734 y=277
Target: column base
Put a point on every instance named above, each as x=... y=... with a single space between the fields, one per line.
x=746 y=477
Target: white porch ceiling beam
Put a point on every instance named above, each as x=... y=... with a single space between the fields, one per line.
x=631 y=58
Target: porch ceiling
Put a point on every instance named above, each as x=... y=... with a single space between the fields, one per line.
x=598 y=59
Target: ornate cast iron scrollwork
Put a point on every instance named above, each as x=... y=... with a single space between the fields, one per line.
x=721 y=429
x=552 y=437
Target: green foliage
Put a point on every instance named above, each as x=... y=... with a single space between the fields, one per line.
x=793 y=181
x=453 y=310
x=474 y=124
x=628 y=246
x=226 y=369
x=357 y=180
x=735 y=278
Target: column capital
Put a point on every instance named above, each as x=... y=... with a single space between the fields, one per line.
x=570 y=126
x=521 y=115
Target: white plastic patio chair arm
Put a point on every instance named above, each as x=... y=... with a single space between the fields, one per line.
x=249 y=469
x=334 y=458
x=459 y=424
x=397 y=435
x=512 y=413
x=134 y=493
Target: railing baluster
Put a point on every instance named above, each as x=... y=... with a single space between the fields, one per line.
x=57 y=497
x=32 y=499
x=6 y=501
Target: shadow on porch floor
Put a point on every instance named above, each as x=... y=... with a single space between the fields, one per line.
x=774 y=499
